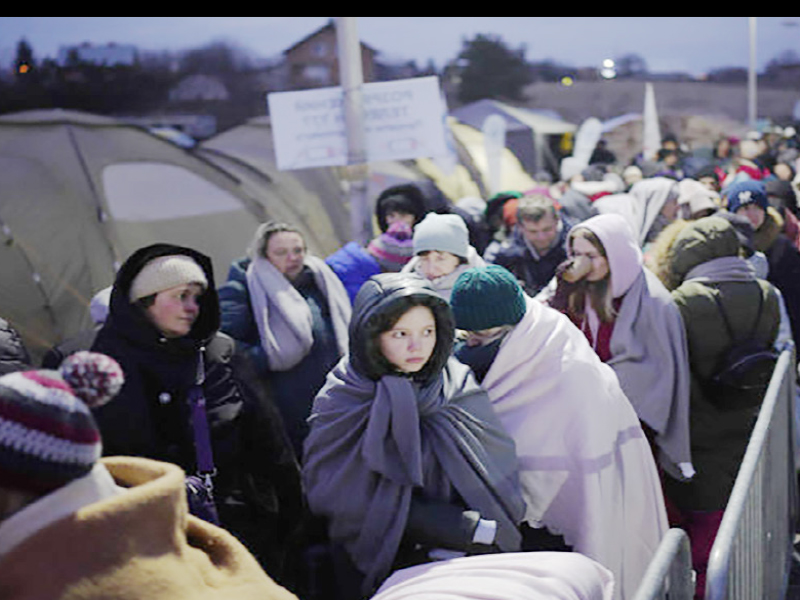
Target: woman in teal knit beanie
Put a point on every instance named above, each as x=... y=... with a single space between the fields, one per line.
x=577 y=435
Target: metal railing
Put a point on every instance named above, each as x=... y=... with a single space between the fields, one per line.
x=752 y=553
x=669 y=574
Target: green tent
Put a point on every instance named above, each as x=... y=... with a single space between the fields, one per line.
x=79 y=193
x=310 y=199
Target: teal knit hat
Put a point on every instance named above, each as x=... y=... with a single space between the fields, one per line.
x=486 y=297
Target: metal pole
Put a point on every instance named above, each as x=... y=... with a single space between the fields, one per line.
x=351 y=76
x=751 y=76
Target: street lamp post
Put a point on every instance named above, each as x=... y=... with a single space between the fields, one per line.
x=351 y=76
x=751 y=76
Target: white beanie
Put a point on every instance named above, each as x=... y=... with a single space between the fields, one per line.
x=445 y=233
x=166 y=272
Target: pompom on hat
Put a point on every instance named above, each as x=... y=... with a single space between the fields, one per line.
x=486 y=297
x=166 y=272
x=394 y=248
x=48 y=436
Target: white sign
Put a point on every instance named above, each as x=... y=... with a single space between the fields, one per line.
x=402 y=120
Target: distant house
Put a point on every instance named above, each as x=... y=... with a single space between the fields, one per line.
x=199 y=87
x=107 y=55
x=313 y=61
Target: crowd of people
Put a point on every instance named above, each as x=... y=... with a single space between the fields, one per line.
x=522 y=391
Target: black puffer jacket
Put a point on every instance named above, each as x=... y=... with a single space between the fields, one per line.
x=257 y=487
x=13 y=354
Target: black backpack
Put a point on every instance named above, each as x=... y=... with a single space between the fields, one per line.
x=743 y=372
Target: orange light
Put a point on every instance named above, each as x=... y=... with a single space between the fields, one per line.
x=24 y=68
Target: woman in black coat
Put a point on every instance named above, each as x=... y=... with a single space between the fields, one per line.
x=162 y=325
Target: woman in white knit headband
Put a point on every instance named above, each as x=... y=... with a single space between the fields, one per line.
x=163 y=330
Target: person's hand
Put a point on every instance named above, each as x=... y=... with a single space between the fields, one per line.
x=574 y=269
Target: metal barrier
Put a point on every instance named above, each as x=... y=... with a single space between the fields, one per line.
x=669 y=573
x=752 y=553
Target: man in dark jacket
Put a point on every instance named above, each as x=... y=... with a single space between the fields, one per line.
x=537 y=244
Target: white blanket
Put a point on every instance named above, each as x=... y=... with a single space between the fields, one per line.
x=509 y=576
x=586 y=468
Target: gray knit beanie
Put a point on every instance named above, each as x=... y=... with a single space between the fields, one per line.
x=445 y=233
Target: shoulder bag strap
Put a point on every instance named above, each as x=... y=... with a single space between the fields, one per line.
x=202 y=438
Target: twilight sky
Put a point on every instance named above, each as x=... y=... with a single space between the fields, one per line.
x=689 y=44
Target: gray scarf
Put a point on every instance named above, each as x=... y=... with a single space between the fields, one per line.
x=727 y=268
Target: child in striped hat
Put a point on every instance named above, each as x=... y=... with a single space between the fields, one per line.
x=48 y=436
x=75 y=526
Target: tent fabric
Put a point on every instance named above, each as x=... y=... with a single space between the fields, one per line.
x=513 y=176
x=311 y=199
x=523 y=127
x=79 y=193
x=251 y=145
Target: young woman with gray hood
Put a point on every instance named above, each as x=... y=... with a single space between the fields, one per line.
x=405 y=459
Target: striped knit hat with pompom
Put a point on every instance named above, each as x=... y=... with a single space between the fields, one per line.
x=394 y=248
x=48 y=436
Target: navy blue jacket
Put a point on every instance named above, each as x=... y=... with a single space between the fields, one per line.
x=532 y=273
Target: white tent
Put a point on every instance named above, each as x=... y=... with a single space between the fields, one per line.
x=530 y=134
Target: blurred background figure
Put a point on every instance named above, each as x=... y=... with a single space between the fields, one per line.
x=537 y=244
x=14 y=355
x=404 y=202
x=749 y=198
x=696 y=200
x=98 y=309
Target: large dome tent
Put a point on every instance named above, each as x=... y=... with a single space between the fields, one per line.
x=79 y=193
x=311 y=199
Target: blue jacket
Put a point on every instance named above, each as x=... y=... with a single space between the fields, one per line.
x=353 y=265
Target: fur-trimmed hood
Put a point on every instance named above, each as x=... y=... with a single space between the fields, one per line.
x=770 y=229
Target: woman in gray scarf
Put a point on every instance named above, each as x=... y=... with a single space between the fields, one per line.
x=405 y=458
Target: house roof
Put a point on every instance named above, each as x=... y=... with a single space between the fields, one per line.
x=329 y=25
